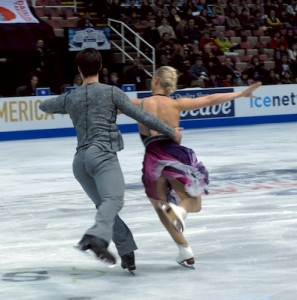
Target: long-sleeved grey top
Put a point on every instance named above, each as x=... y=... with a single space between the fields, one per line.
x=93 y=111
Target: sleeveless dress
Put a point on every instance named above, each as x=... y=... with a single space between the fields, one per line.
x=166 y=158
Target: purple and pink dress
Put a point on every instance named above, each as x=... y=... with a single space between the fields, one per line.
x=166 y=158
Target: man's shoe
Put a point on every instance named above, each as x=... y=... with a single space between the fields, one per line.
x=128 y=262
x=98 y=246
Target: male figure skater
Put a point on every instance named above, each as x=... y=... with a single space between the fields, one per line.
x=93 y=109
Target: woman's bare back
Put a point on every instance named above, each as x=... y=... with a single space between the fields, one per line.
x=163 y=108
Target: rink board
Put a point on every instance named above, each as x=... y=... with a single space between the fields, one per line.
x=20 y=118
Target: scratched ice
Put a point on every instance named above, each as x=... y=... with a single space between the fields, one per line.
x=244 y=239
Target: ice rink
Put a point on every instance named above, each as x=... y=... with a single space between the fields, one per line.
x=244 y=239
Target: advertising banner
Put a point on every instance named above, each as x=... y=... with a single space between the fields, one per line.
x=15 y=11
x=20 y=117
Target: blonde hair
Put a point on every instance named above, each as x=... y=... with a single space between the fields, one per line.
x=168 y=78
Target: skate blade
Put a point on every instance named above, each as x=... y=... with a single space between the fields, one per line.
x=132 y=273
x=185 y=265
x=188 y=263
x=172 y=217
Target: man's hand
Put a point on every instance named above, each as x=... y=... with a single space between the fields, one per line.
x=178 y=135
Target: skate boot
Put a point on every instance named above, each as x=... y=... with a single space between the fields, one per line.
x=98 y=246
x=128 y=262
x=185 y=256
x=175 y=215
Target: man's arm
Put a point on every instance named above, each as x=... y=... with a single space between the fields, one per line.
x=54 y=105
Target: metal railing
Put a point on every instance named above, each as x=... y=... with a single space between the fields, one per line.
x=121 y=30
x=74 y=6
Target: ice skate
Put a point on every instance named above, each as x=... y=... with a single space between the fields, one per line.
x=98 y=246
x=175 y=215
x=185 y=257
x=128 y=262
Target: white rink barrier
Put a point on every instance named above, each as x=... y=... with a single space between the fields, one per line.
x=20 y=118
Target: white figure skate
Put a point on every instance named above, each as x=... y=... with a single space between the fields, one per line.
x=175 y=215
x=185 y=257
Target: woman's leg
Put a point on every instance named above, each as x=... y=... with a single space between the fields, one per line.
x=185 y=255
x=190 y=204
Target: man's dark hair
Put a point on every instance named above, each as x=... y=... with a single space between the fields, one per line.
x=89 y=61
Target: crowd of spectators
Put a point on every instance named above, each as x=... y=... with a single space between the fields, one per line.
x=196 y=37
x=206 y=41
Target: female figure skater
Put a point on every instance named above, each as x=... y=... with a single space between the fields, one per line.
x=169 y=169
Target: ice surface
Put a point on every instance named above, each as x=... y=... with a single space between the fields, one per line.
x=244 y=239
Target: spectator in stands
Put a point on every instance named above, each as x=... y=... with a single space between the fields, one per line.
x=209 y=54
x=104 y=76
x=166 y=28
x=283 y=66
x=116 y=11
x=256 y=69
x=158 y=17
x=204 y=21
x=224 y=44
x=180 y=32
x=245 y=80
x=145 y=9
x=132 y=11
x=203 y=5
x=159 y=5
x=233 y=23
x=213 y=81
x=7 y=81
x=229 y=67
x=180 y=60
x=270 y=5
x=247 y=20
x=114 y=79
x=193 y=33
x=136 y=75
x=273 y=22
x=290 y=37
x=218 y=11
x=194 y=52
x=86 y=21
x=229 y=81
x=259 y=20
x=29 y=88
x=240 y=7
x=206 y=39
x=286 y=78
x=166 y=49
x=151 y=33
x=174 y=17
x=291 y=8
x=292 y=53
x=101 y=7
x=198 y=73
x=279 y=52
x=77 y=80
x=272 y=78
x=277 y=40
x=41 y=62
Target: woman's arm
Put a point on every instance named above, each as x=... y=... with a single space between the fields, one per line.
x=204 y=101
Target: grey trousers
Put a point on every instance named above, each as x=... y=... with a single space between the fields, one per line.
x=100 y=175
